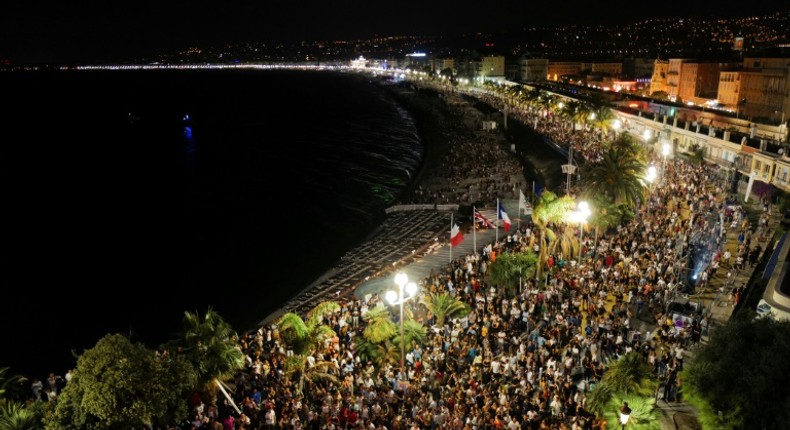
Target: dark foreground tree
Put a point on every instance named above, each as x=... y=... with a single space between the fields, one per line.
x=118 y=384
x=738 y=380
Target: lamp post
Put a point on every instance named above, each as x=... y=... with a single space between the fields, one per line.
x=651 y=175
x=625 y=414
x=406 y=290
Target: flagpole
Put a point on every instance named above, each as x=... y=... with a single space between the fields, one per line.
x=474 y=229
x=519 y=209
x=533 y=192
x=496 y=237
x=451 y=232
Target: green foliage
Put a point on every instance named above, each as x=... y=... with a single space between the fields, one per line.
x=379 y=325
x=549 y=210
x=211 y=345
x=413 y=332
x=7 y=381
x=628 y=376
x=629 y=145
x=604 y=215
x=364 y=348
x=740 y=372
x=644 y=415
x=444 y=306
x=305 y=336
x=697 y=154
x=567 y=243
x=709 y=418
x=618 y=176
x=296 y=369
x=604 y=118
x=660 y=95
x=316 y=315
x=509 y=267
x=118 y=384
x=15 y=416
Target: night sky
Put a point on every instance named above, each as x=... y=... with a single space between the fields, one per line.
x=36 y=31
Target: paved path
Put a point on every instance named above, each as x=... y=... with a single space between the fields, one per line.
x=716 y=301
x=439 y=256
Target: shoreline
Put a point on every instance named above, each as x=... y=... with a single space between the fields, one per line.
x=433 y=112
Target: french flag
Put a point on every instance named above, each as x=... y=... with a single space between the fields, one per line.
x=503 y=216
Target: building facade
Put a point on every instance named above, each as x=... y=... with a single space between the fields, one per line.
x=533 y=69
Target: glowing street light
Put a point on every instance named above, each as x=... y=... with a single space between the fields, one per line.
x=406 y=290
x=580 y=215
x=651 y=174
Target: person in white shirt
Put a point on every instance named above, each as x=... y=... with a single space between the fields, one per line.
x=270 y=419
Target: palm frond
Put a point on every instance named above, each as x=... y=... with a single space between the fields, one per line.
x=321 y=310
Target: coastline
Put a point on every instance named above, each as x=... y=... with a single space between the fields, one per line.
x=433 y=112
x=426 y=111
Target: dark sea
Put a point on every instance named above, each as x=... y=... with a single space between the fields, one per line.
x=130 y=197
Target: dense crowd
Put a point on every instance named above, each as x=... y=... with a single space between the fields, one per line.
x=517 y=361
x=475 y=167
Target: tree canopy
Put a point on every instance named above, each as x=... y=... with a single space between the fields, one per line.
x=509 y=268
x=118 y=384
x=737 y=380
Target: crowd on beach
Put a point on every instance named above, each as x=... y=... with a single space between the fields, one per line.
x=523 y=360
x=475 y=167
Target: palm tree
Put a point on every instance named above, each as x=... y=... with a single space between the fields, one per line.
x=444 y=306
x=15 y=416
x=295 y=369
x=629 y=375
x=567 y=242
x=627 y=143
x=571 y=111
x=211 y=345
x=379 y=325
x=8 y=381
x=604 y=217
x=618 y=176
x=413 y=332
x=549 y=210
x=510 y=268
x=603 y=119
x=643 y=416
x=532 y=98
x=305 y=336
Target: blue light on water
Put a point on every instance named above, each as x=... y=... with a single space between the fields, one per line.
x=188 y=133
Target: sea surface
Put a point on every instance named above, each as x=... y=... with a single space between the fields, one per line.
x=130 y=197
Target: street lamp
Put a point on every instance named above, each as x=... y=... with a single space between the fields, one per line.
x=651 y=174
x=625 y=414
x=580 y=215
x=646 y=135
x=406 y=290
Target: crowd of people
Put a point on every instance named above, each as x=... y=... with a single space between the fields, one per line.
x=526 y=360
x=518 y=360
x=475 y=168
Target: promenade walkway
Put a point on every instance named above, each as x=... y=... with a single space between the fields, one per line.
x=438 y=256
x=716 y=303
